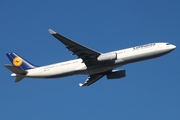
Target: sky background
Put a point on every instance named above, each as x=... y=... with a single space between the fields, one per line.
x=151 y=89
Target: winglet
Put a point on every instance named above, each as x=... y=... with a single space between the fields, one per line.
x=51 y=31
x=80 y=84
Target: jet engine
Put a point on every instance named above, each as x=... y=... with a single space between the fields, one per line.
x=116 y=74
x=107 y=56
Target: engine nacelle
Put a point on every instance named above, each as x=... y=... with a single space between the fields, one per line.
x=116 y=74
x=107 y=56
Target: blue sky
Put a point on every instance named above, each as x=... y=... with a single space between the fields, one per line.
x=151 y=89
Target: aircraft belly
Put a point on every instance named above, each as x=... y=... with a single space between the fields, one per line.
x=101 y=68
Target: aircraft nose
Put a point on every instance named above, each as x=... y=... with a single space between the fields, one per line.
x=173 y=47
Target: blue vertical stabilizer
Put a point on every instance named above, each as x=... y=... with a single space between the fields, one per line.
x=19 y=62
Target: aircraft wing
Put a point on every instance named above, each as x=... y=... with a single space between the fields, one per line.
x=86 y=54
x=91 y=79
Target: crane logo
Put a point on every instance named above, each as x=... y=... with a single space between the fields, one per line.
x=17 y=61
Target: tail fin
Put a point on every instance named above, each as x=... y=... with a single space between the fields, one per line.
x=19 y=62
x=20 y=74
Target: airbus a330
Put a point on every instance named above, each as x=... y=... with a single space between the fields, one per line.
x=89 y=62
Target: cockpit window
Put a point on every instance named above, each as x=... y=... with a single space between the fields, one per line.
x=167 y=44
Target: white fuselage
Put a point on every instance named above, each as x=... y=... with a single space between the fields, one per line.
x=124 y=56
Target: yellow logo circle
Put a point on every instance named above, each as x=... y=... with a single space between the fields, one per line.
x=17 y=61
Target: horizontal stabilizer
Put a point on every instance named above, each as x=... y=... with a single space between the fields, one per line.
x=16 y=70
x=20 y=74
x=19 y=78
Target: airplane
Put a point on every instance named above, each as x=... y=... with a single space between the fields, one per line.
x=89 y=62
